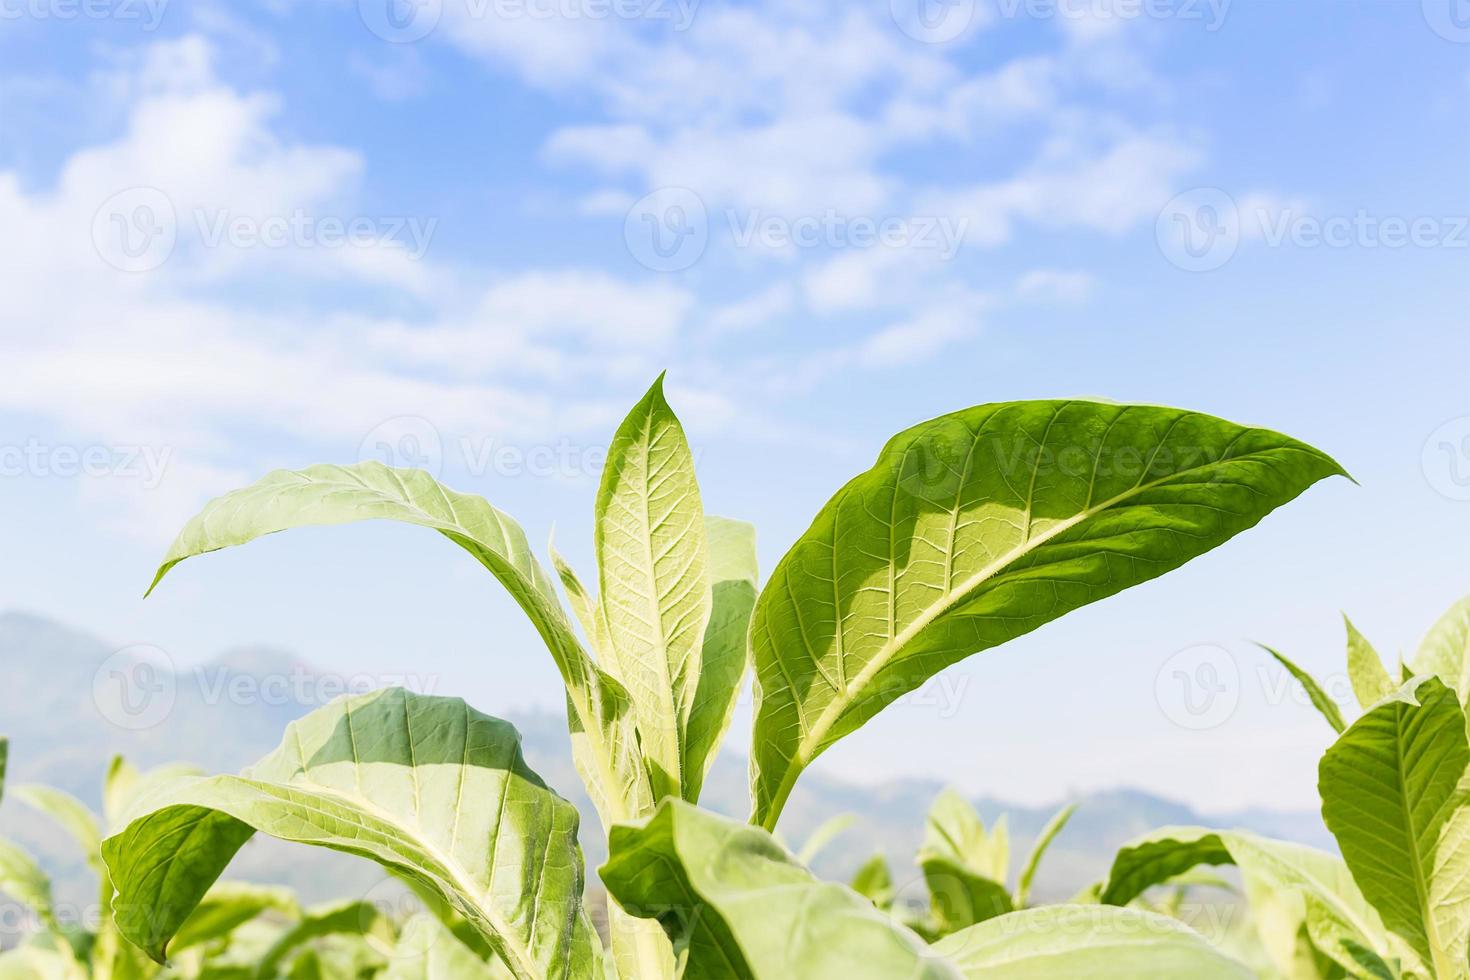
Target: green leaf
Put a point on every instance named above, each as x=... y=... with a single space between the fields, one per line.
x=227 y=906
x=653 y=564
x=22 y=879
x=874 y=881
x=1393 y=796
x=425 y=786
x=427 y=950
x=354 y=917
x=736 y=904
x=1445 y=652
x=1038 y=850
x=1065 y=942
x=4 y=761
x=734 y=580
x=1327 y=899
x=1369 y=677
x=69 y=813
x=964 y=867
x=604 y=742
x=1319 y=698
x=826 y=833
x=978 y=527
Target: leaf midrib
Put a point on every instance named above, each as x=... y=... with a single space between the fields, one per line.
x=811 y=741
x=523 y=961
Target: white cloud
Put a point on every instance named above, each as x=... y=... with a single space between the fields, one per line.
x=1057 y=285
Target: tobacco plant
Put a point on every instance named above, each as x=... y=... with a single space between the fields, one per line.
x=968 y=531
x=1395 y=794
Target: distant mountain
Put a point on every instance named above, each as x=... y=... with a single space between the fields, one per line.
x=73 y=700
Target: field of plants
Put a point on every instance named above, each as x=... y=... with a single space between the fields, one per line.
x=968 y=531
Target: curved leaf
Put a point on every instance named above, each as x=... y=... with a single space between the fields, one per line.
x=1445 y=651
x=1063 y=942
x=425 y=786
x=1393 y=795
x=738 y=905
x=734 y=580
x=1337 y=916
x=69 y=813
x=1048 y=834
x=980 y=526
x=653 y=573
x=826 y=832
x=1319 y=698
x=603 y=738
x=1369 y=677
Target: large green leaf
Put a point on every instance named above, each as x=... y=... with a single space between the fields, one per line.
x=964 y=867
x=734 y=578
x=653 y=565
x=1445 y=651
x=1370 y=679
x=603 y=738
x=977 y=527
x=1065 y=942
x=1337 y=916
x=1393 y=795
x=1044 y=840
x=736 y=904
x=425 y=786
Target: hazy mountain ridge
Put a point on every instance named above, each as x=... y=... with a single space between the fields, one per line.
x=228 y=712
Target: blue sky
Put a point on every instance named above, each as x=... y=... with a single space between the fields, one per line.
x=264 y=234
